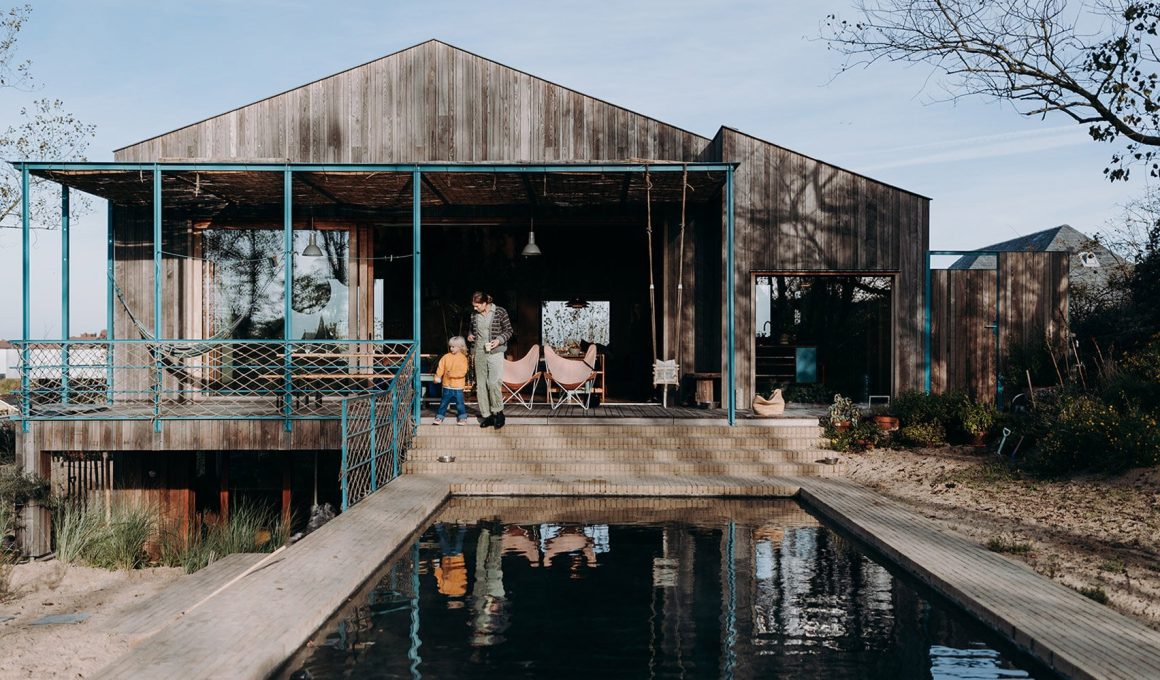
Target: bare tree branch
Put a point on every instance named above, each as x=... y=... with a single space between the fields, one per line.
x=1092 y=62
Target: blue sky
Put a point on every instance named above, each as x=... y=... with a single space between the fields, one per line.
x=138 y=68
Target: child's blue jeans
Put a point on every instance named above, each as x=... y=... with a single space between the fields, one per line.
x=450 y=393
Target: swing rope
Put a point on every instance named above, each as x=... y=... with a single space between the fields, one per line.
x=652 y=303
x=681 y=266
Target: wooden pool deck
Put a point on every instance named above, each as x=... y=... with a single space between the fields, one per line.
x=249 y=629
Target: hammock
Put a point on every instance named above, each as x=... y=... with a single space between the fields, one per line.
x=176 y=350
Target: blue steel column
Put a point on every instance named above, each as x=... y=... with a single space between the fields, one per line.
x=926 y=325
x=64 y=265
x=731 y=381
x=109 y=271
x=155 y=350
x=416 y=317
x=26 y=271
x=416 y=642
x=730 y=652
x=287 y=293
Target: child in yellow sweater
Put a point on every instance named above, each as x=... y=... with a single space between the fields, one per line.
x=452 y=375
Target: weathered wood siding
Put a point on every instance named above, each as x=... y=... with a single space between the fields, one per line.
x=1032 y=295
x=431 y=102
x=796 y=214
x=962 y=332
x=1034 y=304
x=186 y=435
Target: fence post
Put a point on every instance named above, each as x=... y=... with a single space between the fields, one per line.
x=344 y=470
x=395 y=428
x=371 y=434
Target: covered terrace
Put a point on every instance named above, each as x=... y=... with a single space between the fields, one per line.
x=271 y=291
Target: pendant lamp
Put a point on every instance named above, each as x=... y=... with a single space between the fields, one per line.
x=312 y=249
x=531 y=250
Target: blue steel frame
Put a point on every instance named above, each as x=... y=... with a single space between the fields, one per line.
x=926 y=340
x=416 y=170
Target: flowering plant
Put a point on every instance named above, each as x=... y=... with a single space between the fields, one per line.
x=844 y=410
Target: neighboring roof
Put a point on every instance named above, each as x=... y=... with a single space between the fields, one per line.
x=1061 y=239
x=4 y=344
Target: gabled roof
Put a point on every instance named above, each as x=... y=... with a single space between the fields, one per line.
x=426 y=86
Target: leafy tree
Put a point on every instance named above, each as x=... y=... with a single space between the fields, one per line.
x=44 y=131
x=1094 y=61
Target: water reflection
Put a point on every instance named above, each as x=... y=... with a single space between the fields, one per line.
x=729 y=590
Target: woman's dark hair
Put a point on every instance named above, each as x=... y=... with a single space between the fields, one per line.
x=479 y=296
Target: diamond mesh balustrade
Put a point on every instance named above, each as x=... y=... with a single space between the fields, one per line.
x=202 y=379
x=377 y=429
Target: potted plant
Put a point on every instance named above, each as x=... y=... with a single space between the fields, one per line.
x=977 y=419
x=886 y=421
x=844 y=413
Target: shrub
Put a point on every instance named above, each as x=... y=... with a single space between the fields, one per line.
x=812 y=393
x=977 y=418
x=250 y=528
x=84 y=535
x=862 y=436
x=923 y=434
x=75 y=530
x=844 y=410
x=914 y=407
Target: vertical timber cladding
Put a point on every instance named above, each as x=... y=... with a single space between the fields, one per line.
x=1033 y=308
x=795 y=213
x=428 y=103
x=962 y=334
x=1033 y=298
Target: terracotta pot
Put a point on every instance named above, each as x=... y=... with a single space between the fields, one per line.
x=886 y=423
x=843 y=425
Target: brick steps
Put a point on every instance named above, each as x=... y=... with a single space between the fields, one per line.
x=621 y=468
x=599 y=455
x=440 y=442
x=621 y=451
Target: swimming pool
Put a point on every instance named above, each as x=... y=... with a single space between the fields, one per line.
x=645 y=588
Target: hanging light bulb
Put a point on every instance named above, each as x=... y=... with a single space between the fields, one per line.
x=531 y=250
x=312 y=249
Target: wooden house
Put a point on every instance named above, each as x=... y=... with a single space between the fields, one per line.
x=263 y=261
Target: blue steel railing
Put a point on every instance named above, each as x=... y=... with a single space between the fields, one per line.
x=377 y=429
x=201 y=379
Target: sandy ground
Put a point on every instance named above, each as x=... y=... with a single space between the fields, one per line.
x=1092 y=532
x=74 y=650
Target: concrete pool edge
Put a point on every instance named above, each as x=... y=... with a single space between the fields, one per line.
x=252 y=629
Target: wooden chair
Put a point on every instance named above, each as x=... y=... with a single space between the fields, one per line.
x=571 y=376
x=519 y=374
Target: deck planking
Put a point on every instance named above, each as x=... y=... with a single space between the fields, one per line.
x=269 y=614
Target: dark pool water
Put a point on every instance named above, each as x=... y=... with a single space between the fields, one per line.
x=724 y=590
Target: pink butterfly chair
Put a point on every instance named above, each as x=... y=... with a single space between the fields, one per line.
x=571 y=376
x=519 y=374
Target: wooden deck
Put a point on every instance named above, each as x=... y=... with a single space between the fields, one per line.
x=263 y=618
x=1064 y=630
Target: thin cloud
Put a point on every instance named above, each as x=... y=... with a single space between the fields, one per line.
x=977 y=148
